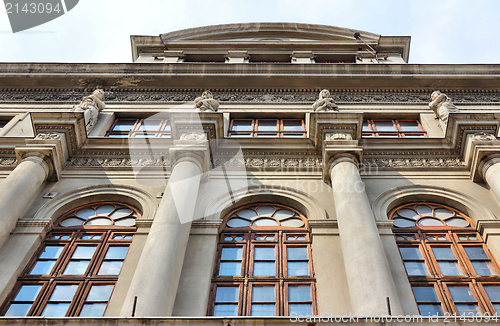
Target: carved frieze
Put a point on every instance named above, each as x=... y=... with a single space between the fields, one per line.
x=47 y=136
x=74 y=96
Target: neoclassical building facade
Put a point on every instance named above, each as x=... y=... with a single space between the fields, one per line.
x=249 y=173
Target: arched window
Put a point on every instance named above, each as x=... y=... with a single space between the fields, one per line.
x=74 y=271
x=264 y=264
x=449 y=267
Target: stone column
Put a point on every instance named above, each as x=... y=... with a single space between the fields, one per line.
x=157 y=276
x=368 y=274
x=491 y=173
x=17 y=191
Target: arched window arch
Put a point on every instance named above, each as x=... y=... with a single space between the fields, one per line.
x=74 y=271
x=264 y=264
x=448 y=264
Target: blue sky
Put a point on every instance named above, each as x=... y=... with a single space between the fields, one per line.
x=442 y=31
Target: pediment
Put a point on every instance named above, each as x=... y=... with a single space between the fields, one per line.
x=267 y=32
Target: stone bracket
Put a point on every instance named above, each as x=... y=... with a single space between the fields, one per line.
x=334 y=126
x=211 y=123
x=480 y=153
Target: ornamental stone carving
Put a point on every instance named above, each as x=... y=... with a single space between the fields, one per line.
x=193 y=136
x=48 y=136
x=483 y=136
x=338 y=136
x=91 y=106
x=325 y=103
x=206 y=103
x=442 y=107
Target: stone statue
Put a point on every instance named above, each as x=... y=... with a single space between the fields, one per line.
x=206 y=102
x=442 y=107
x=325 y=103
x=91 y=106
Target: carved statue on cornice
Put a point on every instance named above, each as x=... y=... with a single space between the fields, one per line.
x=206 y=102
x=91 y=106
x=325 y=103
x=442 y=107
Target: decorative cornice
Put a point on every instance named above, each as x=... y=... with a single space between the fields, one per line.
x=116 y=162
x=226 y=96
x=413 y=163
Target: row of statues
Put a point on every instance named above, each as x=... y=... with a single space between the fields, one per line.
x=92 y=105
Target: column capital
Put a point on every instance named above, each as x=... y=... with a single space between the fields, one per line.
x=338 y=151
x=47 y=150
x=191 y=149
x=482 y=151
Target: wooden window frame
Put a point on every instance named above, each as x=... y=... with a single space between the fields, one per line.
x=135 y=130
x=279 y=132
x=247 y=279
x=84 y=281
x=457 y=238
x=398 y=131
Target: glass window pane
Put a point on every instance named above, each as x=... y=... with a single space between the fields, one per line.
x=263 y=294
x=77 y=267
x=296 y=253
x=298 y=268
x=226 y=310
x=302 y=309
x=263 y=310
x=425 y=294
x=415 y=268
x=150 y=125
x=124 y=125
x=63 y=293
x=116 y=252
x=461 y=294
x=482 y=267
x=476 y=253
x=18 y=310
x=297 y=293
x=366 y=126
x=292 y=125
x=409 y=253
x=430 y=309
x=167 y=126
x=110 y=268
x=496 y=306
x=84 y=252
x=227 y=294
x=51 y=252
x=28 y=293
x=266 y=135
x=443 y=253
x=467 y=309
x=93 y=309
x=384 y=125
x=409 y=126
x=262 y=253
x=230 y=269
x=43 y=267
x=100 y=293
x=263 y=269
x=267 y=125
x=232 y=253
x=55 y=310
x=449 y=268
x=493 y=292
x=242 y=125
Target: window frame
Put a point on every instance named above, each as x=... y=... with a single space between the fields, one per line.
x=457 y=238
x=135 y=130
x=398 y=131
x=280 y=132
x=250 y=242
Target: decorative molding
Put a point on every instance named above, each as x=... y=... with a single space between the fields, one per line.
x=48 y=136
x=338 y=136
x=483 y=136
x=193 y=136
x=413 y=162
x=117 y=162
x=8 y=161
x=257 y=162
x=306 y=96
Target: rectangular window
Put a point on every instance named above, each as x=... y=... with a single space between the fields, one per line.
x=113 y=260
x=388 y=128
x=96 y=301
x=60 y=300
x=479 y=260
x=267 y=128
x=413 y=261
x=447 y=261
x=230 y=262
x=21 y=304
x=297 y=261
x=299 y=300
x=226 y=301
x=427 y=300
x=140 y=128
x=464 y=300
x=264 y=261
x=263 y=301
x=46 y=260
x=493 y=292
